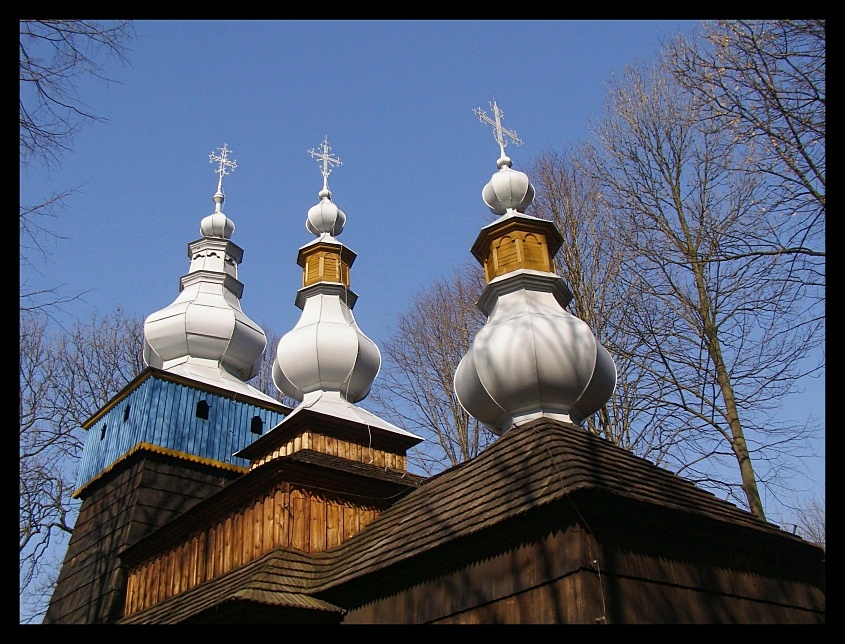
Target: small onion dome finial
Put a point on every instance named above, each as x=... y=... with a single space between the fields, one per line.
x=325 y=217
x=508 y=189
x=218 y=224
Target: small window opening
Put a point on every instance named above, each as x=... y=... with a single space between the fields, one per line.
x=202 y=410
x=126 y=413
x=257 y=425
x=103 y=431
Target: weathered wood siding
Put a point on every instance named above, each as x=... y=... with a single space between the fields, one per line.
x=353 y=451
x=626 y=569
x=160 y=412
x=140 y=494
x=286 y=515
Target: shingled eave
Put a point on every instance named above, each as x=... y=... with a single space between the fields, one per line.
x=530 y=466
x=301 y=468
x=182 y=380
x=304 y=419
x=141 y=449
x=281 y=578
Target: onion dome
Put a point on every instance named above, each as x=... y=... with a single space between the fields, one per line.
x=326 y=351
x=532 y=358
x=204 y=334
x=508 y=189
x=325 y=217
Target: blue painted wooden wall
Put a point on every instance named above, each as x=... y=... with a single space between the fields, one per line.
x=164 y=413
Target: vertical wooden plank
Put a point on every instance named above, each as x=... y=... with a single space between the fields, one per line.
x=152 y=592
x=301 y=519
x=278 y=518
x=334 y=525
x=160 y=579
x=202 y=547
x=350 y=521
x=186 y=562
x=152 y=596
x=226 y=563
x=240 y=537
x=146 y=588
x=138 y=599
x=174 y=570
x=131 y=592
x=317 y=531
x=191 y=576
x=256 y=512
x=171 y=571
x=258 y=530
x=209 y=555
x=267 y=522
x=286 y=510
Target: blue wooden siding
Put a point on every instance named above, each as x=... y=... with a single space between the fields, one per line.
x=164 y=413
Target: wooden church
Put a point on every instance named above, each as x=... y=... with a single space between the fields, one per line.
x=206 y=501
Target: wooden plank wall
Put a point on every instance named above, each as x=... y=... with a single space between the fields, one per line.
x=139 y=495
x=336 y=447
x=286 y=515
x=548 y=579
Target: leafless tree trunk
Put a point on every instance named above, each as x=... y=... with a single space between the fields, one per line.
x=720 y=337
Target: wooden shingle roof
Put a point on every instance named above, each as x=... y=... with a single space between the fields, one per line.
x=536 y=464
x=282 y=579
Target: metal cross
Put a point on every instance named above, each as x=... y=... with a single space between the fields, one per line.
x=223 y=162
x=327 y=159
x=499 y=131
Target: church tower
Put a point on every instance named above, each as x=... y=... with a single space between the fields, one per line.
x=169 y=438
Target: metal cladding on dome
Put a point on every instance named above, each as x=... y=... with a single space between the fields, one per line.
x=204 y=334
x=532 y=358
x=508 y=190
x=326 y=351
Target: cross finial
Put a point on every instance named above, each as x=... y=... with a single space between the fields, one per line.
x=499 y=131
x=222 y=160
x=327 y=160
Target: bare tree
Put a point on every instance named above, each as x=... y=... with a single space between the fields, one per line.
x=590 y=264
x=721 y=336
x=810 y=517
x=415 y=388
x=64 y=380
x=766 y=81
x=264 y=380
x=54 y=56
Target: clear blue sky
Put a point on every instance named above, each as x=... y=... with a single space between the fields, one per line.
x=394 y=98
